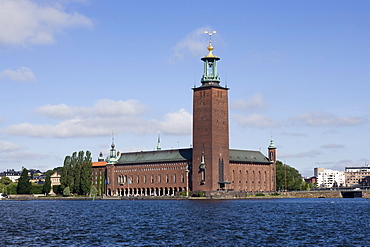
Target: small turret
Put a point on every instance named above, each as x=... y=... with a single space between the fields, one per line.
x=101 y=158
x=159 y=142
x=272 y=151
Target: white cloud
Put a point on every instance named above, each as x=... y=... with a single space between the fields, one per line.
x=295 y=134
x=102 y=108
x=22 y=74
x=101 y=119
x=256 y=102
x=8 y=146
x=13 y=157
x=193 y=43
x=25 y=22
x=254 y=120
x=326 y=119
x=176 y=123
x=307 y=154
x=332 y=146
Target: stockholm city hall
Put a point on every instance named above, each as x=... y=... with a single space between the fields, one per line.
x=210 y=165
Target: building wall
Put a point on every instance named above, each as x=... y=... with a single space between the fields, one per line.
x=147 y=179
x=327 y=178
x=356 y=178
x=251 y=177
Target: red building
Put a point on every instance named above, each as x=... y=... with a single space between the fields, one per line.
x=210 y=164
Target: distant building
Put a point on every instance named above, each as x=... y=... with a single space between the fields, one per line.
x=13 y=175
x=310 y=180
x=55 y=178
x=357 y=175
x=327 y=178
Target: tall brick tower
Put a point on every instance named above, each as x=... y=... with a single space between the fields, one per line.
x=210 y=164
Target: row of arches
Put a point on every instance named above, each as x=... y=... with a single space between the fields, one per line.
x=171 y=191
x=153 y=178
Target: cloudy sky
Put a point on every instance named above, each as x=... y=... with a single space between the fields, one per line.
x=74 y=71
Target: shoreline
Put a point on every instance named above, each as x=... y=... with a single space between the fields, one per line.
x=208 y=196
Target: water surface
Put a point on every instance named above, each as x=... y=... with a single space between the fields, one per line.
x=262 y=222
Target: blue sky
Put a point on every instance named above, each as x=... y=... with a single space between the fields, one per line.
x=73 y=71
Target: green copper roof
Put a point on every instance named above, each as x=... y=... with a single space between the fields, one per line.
x=175 y=155
x=156 y=156
x=246 y=156
x=272 y=144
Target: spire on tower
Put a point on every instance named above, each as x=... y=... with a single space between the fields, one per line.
x=113 y=150
x=159 y=142
x=210 y=75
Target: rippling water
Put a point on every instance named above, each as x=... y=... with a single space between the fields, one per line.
x=262 y=222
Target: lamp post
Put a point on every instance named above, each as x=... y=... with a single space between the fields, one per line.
x=187 y=180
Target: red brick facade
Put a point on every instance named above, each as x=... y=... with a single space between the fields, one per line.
x=210 y=138
x=153 y=179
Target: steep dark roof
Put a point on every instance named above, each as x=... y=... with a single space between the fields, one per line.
x=247 y=156
x=176 y=155
x=156 y=156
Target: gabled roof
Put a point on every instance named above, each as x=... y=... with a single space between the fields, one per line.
x=247 y=156
x=175 y=155
x=56 y=174
x=98 y=164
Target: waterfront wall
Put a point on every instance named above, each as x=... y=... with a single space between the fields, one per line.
x=292 y=194
x=315 y=194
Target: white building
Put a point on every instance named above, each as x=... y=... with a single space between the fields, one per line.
x=327 y=178
x=355 y=175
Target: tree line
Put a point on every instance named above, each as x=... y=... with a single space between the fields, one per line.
x=289 y=178
x=76 y=175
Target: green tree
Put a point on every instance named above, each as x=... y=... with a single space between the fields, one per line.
x=12 y=189
x=24 y=184
x=77 y=173
x=5 y=180
x=66 y=191
x=4 y=184
x=94 y=191
x=102 y=183
x=288 y=178
x=51 y=172
x=86 y=174
x=36 y=188
x=66 y=176
x=47 y=186
x=98 y=181
x=57 y=189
